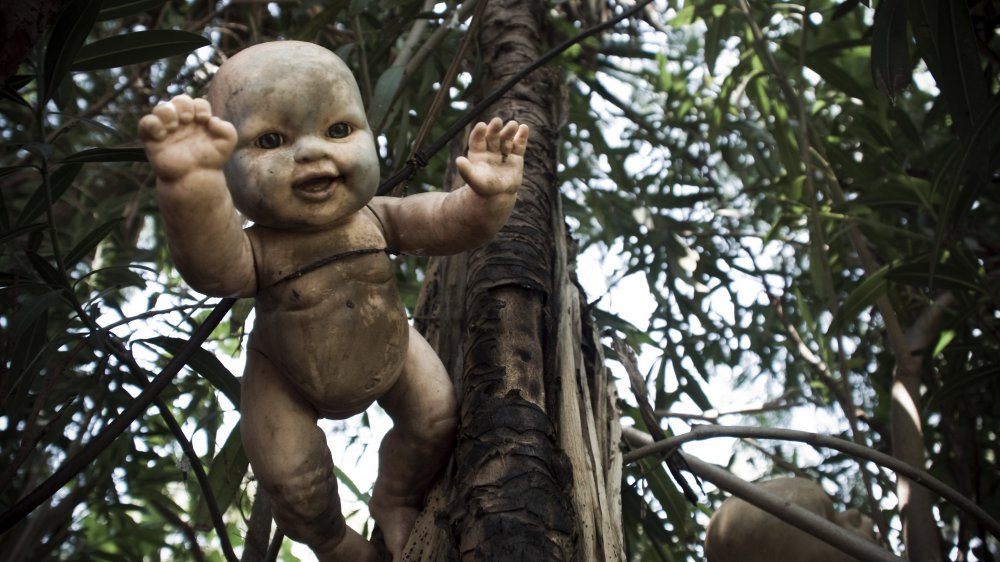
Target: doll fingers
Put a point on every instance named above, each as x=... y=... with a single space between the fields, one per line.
x=520 y=141
x=221 y=128
x=166 y=113
x=493 y=135
x=151 y=128
x=477 y=138
x=185 y=108
x=202 y=110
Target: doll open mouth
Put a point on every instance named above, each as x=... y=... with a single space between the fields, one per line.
x=316 y=188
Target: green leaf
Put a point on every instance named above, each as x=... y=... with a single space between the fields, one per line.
x=48 y=273
x=238 y=316
x=20 y=231
x=385 y=92
x=960 y=75
x=969 y=383
x=107 y=155
x=863 y=296
x=12 y=85
x=112 y=9
x=59 y=182
x=89 y=242
x=224 y=476
x=891 y=66
x=68 y=34
x=119 y=276
x=33 y=309
x=137 y=47
x=205 y=364
x=946 y=338
x=346 y=480
x=950 y=275
x=27 y=346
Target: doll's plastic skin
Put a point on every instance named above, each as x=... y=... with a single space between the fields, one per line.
x=289 y=146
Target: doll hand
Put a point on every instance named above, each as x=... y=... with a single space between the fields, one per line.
x=496 y=157
x=182 y=137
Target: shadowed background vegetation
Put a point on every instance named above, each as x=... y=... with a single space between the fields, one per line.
x=809 y=188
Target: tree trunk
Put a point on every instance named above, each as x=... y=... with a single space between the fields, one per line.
x=536 y=473
x=920 y=530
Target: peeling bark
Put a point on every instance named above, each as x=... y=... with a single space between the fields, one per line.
x=536 y=472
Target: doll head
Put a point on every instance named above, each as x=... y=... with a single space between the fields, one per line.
x=305 y=156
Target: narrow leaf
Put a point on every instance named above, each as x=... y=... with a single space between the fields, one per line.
x=49 y=274
x=951 y=275
x=946 y=338
x=346 y=480
x=862 y=297
x=23 y=354
x=89 y=242
x=12 y=85
x=33 y=309
x=107 y=155
x=890 y=48
x=112 y=9
x=68 y=34
x=385 y=92
x=59 y=182
x=205 y=364
x=967 y=384
x=19 y=231
x=961 y=78
x=137 y=47
x=224 y=476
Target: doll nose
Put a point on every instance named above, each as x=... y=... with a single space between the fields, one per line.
x=309 y=149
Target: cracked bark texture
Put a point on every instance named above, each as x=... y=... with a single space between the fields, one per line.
x=536 y=471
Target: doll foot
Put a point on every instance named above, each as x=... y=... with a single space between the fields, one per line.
x=395 y=522
x=351 y=548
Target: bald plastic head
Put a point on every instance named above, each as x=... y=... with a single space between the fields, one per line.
x=277 y=63
x=296 y=91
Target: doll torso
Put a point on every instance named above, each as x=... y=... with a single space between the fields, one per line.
x=338 y=333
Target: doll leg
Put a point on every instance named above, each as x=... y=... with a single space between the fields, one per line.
x=425 y=415
x=291 y=460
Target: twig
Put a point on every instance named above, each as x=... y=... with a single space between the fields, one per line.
x=920 y=476
x=73 y=465
x=673 y=458
x=788 y=512
x=407 y=171
x=189 y=533
x=714 y=415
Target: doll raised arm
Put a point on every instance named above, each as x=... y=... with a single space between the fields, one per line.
x=188 y=148
x=448 y=223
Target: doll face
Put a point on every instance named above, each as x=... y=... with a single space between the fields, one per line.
x=305 y=156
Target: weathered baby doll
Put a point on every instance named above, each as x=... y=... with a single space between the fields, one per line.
x=741 y=532
x=289 y=147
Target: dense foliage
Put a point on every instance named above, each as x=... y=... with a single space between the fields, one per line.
x=809 y=188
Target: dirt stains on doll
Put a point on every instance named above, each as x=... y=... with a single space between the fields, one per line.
x=289 y=147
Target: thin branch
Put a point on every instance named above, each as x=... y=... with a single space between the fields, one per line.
x=714 y=415
x=157 y=312
x=407 y=171
x=920 y=476
x=790 y=513
x=189 y=533
x=77 y=463
x=673 y=458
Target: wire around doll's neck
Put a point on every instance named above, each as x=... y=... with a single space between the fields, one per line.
x=327 y=261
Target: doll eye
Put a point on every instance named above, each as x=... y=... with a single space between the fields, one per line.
x=338 y=130
x=269 y=140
